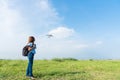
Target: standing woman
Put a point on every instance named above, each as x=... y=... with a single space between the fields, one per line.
x=31 y=54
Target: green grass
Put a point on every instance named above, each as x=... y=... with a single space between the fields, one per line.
x=65 y=70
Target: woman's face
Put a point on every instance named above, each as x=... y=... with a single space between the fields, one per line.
x=30 y=39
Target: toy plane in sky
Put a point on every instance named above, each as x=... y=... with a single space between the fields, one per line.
x=49 y=35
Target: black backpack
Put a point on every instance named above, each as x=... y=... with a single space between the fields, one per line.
x=25 y=51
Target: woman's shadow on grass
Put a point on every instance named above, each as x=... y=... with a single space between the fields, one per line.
x=57 y=73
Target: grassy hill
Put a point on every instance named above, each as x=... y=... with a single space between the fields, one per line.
x=61 y=70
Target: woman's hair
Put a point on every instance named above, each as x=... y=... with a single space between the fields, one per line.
x=31 y=39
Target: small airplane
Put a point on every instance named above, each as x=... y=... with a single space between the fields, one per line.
x=49 y=35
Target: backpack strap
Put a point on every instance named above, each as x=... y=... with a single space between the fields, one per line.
x=34 y=46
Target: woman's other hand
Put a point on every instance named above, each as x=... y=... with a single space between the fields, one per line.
x=29 y=48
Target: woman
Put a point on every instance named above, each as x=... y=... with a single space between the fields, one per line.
x=31 y=54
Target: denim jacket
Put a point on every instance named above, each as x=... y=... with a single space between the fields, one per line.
x=33 y=47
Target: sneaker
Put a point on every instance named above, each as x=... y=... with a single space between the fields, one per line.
x=32 y=78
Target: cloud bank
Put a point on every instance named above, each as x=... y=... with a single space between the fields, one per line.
x=16 y=24
x=62 y=32
x=14 y=28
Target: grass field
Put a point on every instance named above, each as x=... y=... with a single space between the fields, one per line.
x=61 y=70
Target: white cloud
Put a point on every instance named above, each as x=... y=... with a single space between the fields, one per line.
x=48 y=16
x=14 y=28
x=62 y=32
x=10 y=19
x=52 y=47
x=82 y=46
x=44 y=5
x=99 y=42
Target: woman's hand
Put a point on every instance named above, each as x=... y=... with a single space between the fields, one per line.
x=29 y=48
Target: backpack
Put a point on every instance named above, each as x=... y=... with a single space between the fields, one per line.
x=25 y=50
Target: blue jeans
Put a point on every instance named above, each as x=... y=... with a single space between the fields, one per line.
x=30 y=64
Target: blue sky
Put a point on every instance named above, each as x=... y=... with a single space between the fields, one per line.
x=90 y=15
x=82 y=29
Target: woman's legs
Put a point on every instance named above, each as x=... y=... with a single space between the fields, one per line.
x=30 y=64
